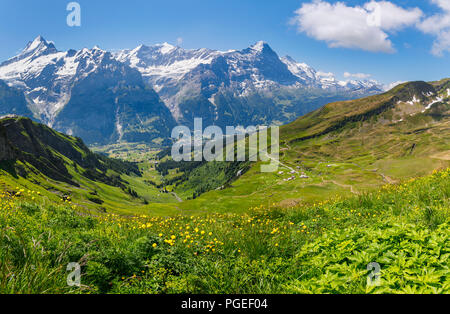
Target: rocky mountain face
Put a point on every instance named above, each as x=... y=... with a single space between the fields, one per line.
x=87 y=93
x=250 y=86
x=111 y=103
x=140 y=94
x=12 y=101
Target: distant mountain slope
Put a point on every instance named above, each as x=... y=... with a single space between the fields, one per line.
x=138 y=95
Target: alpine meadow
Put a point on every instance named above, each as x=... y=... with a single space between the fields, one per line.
x=93 y=200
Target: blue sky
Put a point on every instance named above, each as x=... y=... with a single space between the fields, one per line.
x=235 y=24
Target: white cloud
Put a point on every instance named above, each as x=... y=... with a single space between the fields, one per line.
x=179 y=41
x=444 y=4
x=328 y=75
x=441 y=44
x=392 y=85
x=439 y=26
x=392 y=17
x=360 y=76
x=354 y=27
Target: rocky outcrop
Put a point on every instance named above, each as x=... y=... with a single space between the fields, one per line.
x=6 y=151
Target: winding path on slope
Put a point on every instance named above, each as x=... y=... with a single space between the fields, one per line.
x=177 y=197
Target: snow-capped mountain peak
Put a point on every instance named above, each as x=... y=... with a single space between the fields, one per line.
x=34 y=49
x=161 y=63
x=260 y=46
x=46 y=75
x=301 y=70
x=327 y=80
x=167 y=48
x=38 y=45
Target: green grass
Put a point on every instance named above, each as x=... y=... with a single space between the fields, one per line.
x=134 y=152
x=318 y=248
x=261 y=234
x=114 y=199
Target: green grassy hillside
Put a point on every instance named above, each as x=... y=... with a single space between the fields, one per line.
x=35 y=157
x=323 y=248
x=348 y=148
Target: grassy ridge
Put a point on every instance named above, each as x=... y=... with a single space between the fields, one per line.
x=35 y=157
x=324 y=247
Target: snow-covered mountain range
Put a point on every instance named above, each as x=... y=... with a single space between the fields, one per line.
x=250 y=86
x=163 y=63
x=168 y=69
